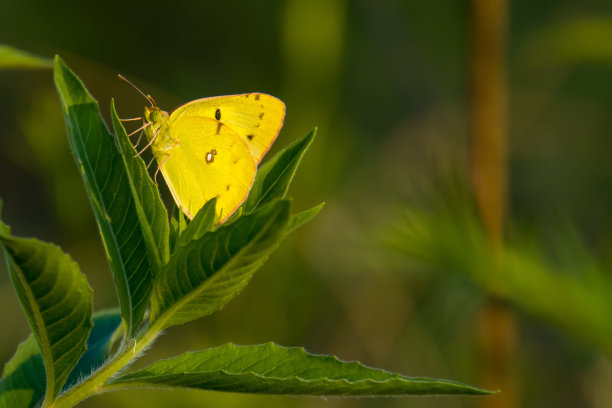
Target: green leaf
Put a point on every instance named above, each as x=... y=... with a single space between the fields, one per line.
x=301 y=218
x=13 y=58
x=200 y=225
x=57 y=302
x=108 y=187
x=23 y=379
x=4 y=229
x=272 y=369
x=105 y=325
x=178 y=224
x=152 y=214
x=205 y=274
x=274 y=177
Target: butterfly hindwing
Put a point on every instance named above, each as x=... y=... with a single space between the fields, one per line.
x=208 y=159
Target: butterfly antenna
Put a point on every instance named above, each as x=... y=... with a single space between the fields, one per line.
x=150 y=98
x=147 y=97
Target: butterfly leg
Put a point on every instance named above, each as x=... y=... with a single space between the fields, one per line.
x=150 y=141
x=159 y=167
x=139 y=138
x=140 y=128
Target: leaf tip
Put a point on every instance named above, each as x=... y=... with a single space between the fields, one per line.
x=4 y=229
x=69 y=86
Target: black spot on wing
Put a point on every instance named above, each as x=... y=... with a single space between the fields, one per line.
x=227 y=187
x=261 y=115
x=219 y=125
x=218 y=114
x=250 y=137
x=256 y=97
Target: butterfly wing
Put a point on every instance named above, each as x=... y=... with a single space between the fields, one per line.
x=207 y=159
x=256 y=117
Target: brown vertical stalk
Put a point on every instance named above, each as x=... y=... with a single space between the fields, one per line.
x=488 y=160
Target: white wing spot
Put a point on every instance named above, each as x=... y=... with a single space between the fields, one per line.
x=210 y=156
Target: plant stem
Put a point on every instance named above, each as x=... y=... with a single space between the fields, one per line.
x=488 y=160
x=93 y=384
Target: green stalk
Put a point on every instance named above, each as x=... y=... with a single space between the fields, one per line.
x=94 y=384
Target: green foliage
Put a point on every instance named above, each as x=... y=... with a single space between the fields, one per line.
x=200 y=225
x=203 y=275
x=274 y=177
x=109 y=188
x=12 y=58
x=272 y=369
x=23 y=378
x=106 y=323
x=152 y=216
x=175 y=269
x=178 y=223
x=303 y=217
x=57 y=302
x=577 y=299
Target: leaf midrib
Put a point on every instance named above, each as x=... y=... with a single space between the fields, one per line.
x=143 y=380
x=45 y=347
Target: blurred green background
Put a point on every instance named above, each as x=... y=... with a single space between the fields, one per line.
x=396 y=271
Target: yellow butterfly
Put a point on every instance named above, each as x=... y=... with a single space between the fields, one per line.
x=211 y=147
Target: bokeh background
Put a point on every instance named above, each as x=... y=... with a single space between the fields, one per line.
x=406 y=268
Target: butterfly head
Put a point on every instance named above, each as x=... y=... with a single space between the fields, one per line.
x=157 y=122
x=155 y=115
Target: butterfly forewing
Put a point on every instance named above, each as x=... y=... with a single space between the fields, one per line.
x=209 y=159
x=255 y=117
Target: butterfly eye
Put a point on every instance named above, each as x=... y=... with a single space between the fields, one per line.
x=150 y=115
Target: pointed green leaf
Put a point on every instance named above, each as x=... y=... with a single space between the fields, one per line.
x=274 y=177
x=200 y=225
x=105 y=325
x=152 y=214
x=205 y=274
x=107 y=185
x=301 y=218
x=13 y=58
x=57 y=302
x=178 y=224
x=23 y=378
x=4 y=229
x=272 y=369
